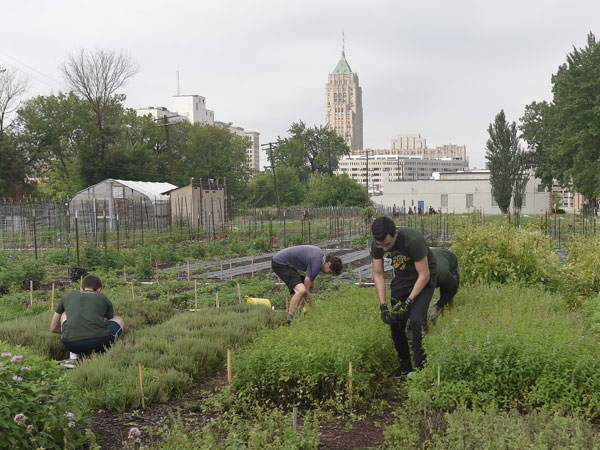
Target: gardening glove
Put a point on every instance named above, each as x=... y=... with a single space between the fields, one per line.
x=400 y=309
x=385 y=314
x=433 y=313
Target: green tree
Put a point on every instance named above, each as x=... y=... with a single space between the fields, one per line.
x=310 y=150
x=340 y=190
x=261 y=189
x=504 y=159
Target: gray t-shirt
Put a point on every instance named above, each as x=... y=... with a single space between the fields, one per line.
x=307 y=258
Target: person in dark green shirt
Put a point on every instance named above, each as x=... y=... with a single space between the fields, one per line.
x=415 y=274
x=448 y=279
x=86 y=321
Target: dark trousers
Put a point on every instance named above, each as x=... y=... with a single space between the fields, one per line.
x=417 y=312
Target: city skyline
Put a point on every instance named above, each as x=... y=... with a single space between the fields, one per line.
x=435 y=68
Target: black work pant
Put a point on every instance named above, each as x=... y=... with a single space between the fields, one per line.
x=417 y=312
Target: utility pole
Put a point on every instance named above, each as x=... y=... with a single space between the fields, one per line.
x=166 y=124
x=274 y=171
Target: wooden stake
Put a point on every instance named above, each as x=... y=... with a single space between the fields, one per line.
x=132 y=291
x=52 y=297
x=350 y=384
x=124 y=274
x=31 y=292
x=360 y=275
x=168 y=297
x=229 y=375
x=142 y=385
x=230 y=271
x=188 y=271
x=217 y=301
x=239 y=294
x=295 y=419
x=252 y=266
x=196 y=293
x=81 y=282
x=221 y=270
x=439 y=373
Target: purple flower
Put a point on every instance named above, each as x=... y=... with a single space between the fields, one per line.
x=20 y=419
x=29 y=428
x=6 y=355
x=69 y=415
x=25 y=368
x=134 y=432
x=71 y=424
x=16 y=358
x=17 y=378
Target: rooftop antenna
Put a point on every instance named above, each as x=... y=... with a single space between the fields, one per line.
x=178 y=82
x=343 y=45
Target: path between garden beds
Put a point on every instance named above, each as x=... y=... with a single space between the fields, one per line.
x=111 y=428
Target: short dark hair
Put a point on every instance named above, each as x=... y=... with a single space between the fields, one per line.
x=336 y=264
x=381 y=227
x=91 y=282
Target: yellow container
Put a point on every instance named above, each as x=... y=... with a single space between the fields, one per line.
x=258 y=301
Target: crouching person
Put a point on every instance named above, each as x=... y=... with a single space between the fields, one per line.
x=86 y=322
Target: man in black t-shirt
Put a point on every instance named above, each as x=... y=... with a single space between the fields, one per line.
x=412 y=287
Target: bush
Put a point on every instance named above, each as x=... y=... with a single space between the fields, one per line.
x=581 y=274
x=510 y=347
x=306 y=364
x=40 y=407
x=24 y=269
x=500 y=253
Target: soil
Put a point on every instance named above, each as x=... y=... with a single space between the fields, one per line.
x=111 y=428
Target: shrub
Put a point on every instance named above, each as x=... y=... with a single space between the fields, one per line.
x=510 y=347
x=581 y=274
x=40 y=407
x=500 y=253
x=307 y=364
x=24 y=269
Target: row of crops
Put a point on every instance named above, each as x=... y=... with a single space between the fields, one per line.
x=512 y=364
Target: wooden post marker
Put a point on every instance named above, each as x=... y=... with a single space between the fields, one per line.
x=132 y=291
x=142 y=385
x=81 y=282
x=196 y=294
x=295 y=419
x=229 y=375
x=217 y=301
x=52 y=297
x=239 y=294
x=31 y=292
x=360 y=275
x=168 y=297
x=439 y=373
x=230 y=271
x=221 y=270
x=350 y=384
x=252 y=266
x=188 y=271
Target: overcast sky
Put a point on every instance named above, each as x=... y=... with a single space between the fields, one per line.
x=439 y=68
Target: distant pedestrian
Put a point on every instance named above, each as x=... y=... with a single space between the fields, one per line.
x=307 y=258
x=415 y=276
x=448 y=279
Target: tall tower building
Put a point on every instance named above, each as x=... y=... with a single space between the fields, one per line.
x=343 y=104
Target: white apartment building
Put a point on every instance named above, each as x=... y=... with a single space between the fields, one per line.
x=458 y=192
x=193 y=108
x=160 y=113
x=396 y=167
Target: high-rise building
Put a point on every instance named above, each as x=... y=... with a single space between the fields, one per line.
x=343 y=104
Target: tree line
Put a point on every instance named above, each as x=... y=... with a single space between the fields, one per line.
x=563 y=135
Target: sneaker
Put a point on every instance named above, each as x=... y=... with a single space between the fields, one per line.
x=399 y=373
x=433 y=313
x=69 y=363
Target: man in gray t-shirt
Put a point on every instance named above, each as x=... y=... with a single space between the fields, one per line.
x=309 y=259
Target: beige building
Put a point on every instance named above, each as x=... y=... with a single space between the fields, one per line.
x=343 y=104
x=396 y=167
x=201 y=203
x=414 y=145
x=253 y=149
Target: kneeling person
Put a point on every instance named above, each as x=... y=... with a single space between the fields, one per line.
x=448 y=279
x=309 y=259
x=85 y=320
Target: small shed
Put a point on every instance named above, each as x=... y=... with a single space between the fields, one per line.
x=133 y=204
x=200 y=204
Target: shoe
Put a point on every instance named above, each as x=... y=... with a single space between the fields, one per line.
x=69 y=363
x=433 y=313
x=399 y=373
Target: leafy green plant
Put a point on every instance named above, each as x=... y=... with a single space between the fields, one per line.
x=580 y=271
x=40 y=407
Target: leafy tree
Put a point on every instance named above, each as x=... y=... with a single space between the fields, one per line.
x=310 y=150
x=336 y=190
x=504 y=159
x=261 y=189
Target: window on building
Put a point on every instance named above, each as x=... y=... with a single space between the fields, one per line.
x=469 y=203
x=444 y=200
